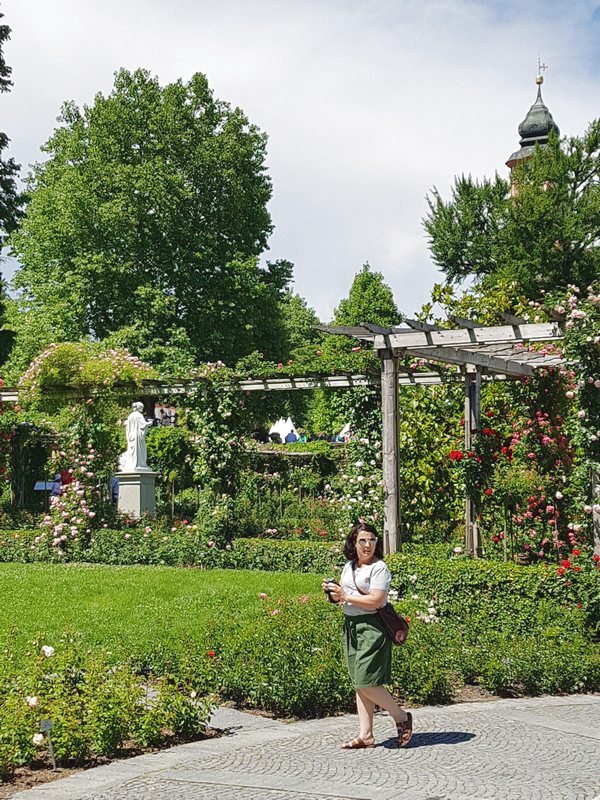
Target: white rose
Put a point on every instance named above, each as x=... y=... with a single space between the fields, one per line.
x=32 y=701
x=48 y=651
x=38 y=739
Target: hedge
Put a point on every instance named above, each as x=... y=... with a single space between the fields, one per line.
x=460 y=586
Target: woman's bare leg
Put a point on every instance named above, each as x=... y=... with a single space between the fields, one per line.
x=365 y=708
x=380 y=696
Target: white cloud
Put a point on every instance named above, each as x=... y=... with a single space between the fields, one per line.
x=367 y=105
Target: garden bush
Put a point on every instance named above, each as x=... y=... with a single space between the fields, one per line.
x=97 y=707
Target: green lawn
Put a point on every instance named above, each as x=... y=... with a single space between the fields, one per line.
x=131 y=609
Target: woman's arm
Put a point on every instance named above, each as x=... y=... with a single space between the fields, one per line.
x=371 y=601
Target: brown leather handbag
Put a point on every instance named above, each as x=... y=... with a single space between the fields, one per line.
x=396 y=627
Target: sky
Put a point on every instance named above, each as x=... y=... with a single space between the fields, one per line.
x=367 y=105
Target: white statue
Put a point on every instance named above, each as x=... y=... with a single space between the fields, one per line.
x=134 y=458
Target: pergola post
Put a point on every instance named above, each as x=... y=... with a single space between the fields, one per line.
x=389 y=440
x=471 y=416
x=596 y=511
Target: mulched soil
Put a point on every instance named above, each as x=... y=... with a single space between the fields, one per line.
x=39 y=773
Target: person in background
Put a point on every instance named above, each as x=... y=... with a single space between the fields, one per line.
x=291 y=437
x=366 y=645
x=114 y=490
x=56 y=485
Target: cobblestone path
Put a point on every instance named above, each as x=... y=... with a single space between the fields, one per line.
x=539 y=749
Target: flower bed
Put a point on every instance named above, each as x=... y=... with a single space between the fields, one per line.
x=96 y=707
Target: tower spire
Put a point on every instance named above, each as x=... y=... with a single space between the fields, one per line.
x=536 y=126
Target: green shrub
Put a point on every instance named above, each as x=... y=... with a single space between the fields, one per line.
x=96 y=706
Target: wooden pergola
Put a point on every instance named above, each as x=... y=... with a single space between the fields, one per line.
x=479 y=352
x=474 y=353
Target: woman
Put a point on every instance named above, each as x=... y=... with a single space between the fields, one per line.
x=363 y=589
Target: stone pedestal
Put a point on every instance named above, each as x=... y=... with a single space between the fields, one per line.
x=137 y=493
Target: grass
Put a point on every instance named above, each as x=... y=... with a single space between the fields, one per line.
x=131 y=610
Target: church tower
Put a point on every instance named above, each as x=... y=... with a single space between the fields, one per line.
x=535 y=128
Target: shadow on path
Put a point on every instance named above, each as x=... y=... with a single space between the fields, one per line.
x=430 y=739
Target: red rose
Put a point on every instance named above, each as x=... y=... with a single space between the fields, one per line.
x=210 y=653
x=560 y=571
x=596 y=557
x=489 y=492
x=576 y=569
x=566 y=563
x=576 y=552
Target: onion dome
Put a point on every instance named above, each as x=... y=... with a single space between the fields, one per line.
x=535 y=128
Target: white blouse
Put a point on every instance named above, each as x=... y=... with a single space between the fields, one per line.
x=370 y=576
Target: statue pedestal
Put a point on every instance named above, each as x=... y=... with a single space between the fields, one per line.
x=137 y=493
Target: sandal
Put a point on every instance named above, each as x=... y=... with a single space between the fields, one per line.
x=357 y=744
x=405 y=730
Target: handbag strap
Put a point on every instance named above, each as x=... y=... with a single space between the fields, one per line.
x=358 y=589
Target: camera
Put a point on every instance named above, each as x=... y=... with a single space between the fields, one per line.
x=327 y=591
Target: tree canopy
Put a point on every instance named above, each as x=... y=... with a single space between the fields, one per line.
x=543 y=234
x=10 y=198
x=146 y=221
x=369 y=300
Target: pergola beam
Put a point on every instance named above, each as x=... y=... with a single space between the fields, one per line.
x=420 y=326
x=463 y=356
x=499 y=334
x=11 y=395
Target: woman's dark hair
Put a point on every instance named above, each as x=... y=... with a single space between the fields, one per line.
x=350 y=543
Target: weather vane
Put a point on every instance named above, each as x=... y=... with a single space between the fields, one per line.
x=541 y=66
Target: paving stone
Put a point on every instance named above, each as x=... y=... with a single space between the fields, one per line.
x=546 y=749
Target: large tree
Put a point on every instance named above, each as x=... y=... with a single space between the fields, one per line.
x=543 y=234
x=146 y=221
x=300 y=322
x=10 y=199
x=370 y=300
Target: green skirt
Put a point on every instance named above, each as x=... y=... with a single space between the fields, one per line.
x=368 y=651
